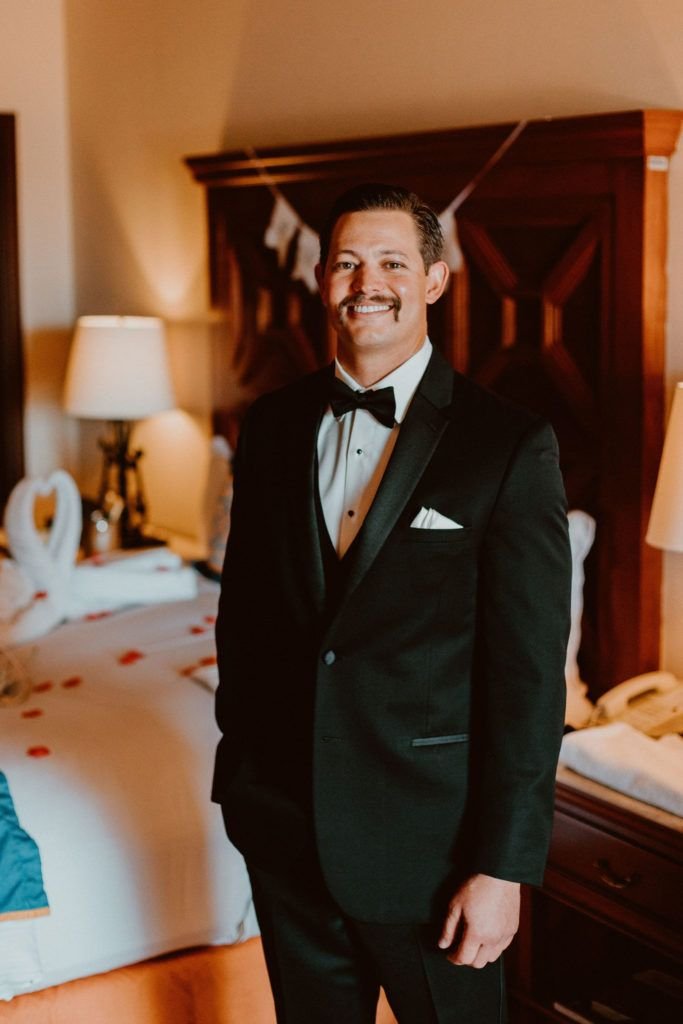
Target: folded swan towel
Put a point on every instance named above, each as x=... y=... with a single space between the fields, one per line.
x=41 y=586
x=48 y=565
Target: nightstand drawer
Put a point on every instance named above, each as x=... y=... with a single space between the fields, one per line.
x=634 y=877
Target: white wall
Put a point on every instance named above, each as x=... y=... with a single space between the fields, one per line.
x=150 y=82
x=33 y=86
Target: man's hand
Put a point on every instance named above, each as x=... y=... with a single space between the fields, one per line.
x=484 y=911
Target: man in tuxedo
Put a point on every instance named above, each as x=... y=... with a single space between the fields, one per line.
x=391 y=644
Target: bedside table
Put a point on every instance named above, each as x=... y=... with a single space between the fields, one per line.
x=606 y=929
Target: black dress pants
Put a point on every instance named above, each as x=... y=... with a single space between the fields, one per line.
x=326 y=968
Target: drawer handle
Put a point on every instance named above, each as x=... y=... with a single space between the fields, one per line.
x=610 y=878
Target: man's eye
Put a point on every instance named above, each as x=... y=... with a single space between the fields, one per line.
x=394 y=265
x=343 y=265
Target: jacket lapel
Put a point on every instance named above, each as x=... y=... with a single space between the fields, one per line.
x=420 y=433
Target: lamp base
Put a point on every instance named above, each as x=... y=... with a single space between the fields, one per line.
x=121 y=495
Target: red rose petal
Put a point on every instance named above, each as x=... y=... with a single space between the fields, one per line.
x=31 y=713
x=211 y=619
x=209 y=660
x=196 y=630
x=188 y=671
x=72 y=681
x=130 y=657
x=40 y=595
x=43 y=687
x=38 y=751
x=95 y=616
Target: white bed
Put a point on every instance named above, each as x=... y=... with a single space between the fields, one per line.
x=109 y=768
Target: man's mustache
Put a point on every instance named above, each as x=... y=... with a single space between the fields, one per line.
x=360 y=299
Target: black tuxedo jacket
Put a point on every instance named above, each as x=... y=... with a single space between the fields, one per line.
x=405 y=723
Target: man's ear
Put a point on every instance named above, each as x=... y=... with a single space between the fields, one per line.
x=437 y=279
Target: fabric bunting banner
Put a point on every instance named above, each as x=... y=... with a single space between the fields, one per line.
x=285 y=222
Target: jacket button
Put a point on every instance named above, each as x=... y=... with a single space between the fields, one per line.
x=329 y=657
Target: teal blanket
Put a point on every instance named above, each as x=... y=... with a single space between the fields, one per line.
x=21 y=877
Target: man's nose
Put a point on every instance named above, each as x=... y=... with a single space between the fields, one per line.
x=367 y=279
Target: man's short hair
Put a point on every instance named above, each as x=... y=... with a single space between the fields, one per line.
x=387 y=197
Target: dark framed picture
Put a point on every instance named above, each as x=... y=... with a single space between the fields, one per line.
x=11 y=355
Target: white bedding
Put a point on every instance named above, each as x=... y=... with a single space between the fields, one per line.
x=110 y=771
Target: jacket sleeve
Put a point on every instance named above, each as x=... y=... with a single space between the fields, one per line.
x=233 y=622
x=523 y=618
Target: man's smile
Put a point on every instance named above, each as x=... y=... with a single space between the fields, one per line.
x=360 y=306
x=367 y=309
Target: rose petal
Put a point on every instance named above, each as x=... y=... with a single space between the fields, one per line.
x=38 y=751
x=130 y=657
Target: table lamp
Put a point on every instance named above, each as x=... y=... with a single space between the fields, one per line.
x=665 y=529
x=118 y=371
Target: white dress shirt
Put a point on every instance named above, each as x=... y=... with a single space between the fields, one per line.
x=353 y=451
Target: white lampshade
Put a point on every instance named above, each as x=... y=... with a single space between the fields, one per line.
x=666 y=518
x=118 y=369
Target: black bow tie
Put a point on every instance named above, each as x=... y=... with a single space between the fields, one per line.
x=380 y=403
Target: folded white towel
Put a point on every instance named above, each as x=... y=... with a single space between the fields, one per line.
x=38 y=618
x=160 y=558
x=107 y=588
x=619 y=756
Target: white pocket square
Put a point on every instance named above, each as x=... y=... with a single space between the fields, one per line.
x=430 y=519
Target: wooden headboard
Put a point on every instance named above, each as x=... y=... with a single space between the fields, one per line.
x=560 y=305
x=11 y=374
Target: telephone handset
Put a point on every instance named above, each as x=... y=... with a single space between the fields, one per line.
x=652 y=703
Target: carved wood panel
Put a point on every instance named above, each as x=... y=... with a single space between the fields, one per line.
x=560 y=306
x=529 y=318
x=275 y=328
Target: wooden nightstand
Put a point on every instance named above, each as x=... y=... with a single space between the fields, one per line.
x=606 y=929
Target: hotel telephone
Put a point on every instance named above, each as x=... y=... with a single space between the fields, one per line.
x=652 y=703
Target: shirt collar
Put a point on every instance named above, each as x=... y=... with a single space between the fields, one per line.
x=404 y=379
